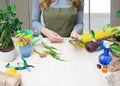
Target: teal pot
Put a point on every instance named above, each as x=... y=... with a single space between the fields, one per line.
x=25 y=50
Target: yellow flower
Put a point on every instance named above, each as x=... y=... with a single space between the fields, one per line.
x=42 y=54
x=23 y=39
x=13 y=72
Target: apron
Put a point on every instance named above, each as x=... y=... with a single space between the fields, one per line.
x=60 y=20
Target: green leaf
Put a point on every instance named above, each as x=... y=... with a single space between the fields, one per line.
x=4 y=33
x=116 y=30
x=92 y=35
x=118 y=13
x=106 y=27
x=115 y=48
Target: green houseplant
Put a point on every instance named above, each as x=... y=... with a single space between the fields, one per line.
x=115 y=47
x=9 y=25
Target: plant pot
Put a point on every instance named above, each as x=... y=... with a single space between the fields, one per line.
x=8 y=56
x=25 y=50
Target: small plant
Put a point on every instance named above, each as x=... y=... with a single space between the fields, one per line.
x=23 y=39
x=9 y=25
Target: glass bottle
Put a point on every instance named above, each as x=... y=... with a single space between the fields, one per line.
x=105 y=58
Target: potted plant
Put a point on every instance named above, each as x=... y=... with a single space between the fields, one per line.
x=9 y=25
x=115 y=47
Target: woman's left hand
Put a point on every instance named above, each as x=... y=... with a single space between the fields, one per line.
x=75 y=35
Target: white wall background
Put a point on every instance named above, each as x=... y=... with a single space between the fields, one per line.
x=97 y=6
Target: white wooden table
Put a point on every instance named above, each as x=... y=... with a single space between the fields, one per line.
x=79 y=69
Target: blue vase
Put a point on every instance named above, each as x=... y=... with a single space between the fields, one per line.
x=25 y=50
x=105 y=58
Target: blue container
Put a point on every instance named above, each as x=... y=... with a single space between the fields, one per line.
x=25 y=50
x=105 y=58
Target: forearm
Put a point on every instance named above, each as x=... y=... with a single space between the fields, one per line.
x=36 y=16
x=78 y=27
x=79 y=21
x=37 y=26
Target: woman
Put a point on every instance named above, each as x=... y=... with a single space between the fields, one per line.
x=56 y=19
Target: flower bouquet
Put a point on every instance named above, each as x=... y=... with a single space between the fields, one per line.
x=24 y=42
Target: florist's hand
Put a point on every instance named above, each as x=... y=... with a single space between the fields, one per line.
x=75 y=35
x=51 y=35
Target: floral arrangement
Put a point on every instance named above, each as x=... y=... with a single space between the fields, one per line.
x=23 y=39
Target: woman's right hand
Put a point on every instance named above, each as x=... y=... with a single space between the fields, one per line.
x=51 y=35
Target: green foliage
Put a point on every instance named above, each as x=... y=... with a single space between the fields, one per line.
x=117 y=33
x=115 y=49
x=92 y=35
x=118 y=13
x=9 y=25
x=92 y=32
x=106 y=27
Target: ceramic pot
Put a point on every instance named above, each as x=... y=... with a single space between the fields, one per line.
x=25 y=50
x=8 y=56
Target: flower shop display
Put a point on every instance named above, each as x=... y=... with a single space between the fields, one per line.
x=9 y=25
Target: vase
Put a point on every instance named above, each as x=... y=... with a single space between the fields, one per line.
x=25 y=50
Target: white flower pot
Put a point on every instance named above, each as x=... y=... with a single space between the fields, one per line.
x=8 y=56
